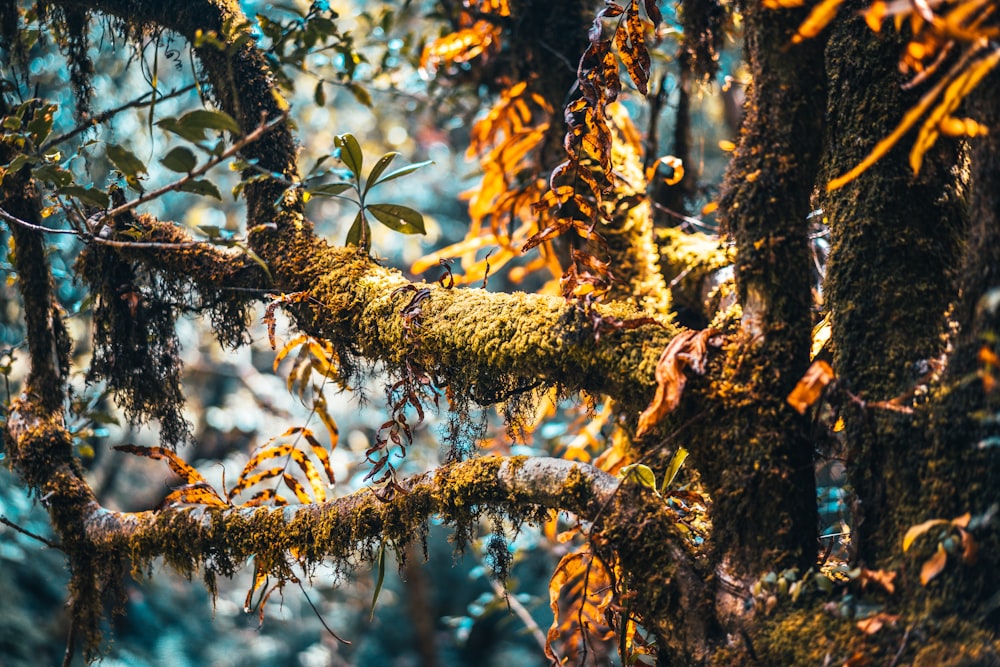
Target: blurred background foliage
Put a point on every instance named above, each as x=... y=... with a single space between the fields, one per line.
x=345 y=66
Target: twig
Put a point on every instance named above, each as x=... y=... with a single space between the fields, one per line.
x=7 y=522
x=97 y=239
x=902 y=647
x=70 y=642
x=319 y=615
x=191 y=175
x=106 y=115
x=520 y=611
x=38 y=228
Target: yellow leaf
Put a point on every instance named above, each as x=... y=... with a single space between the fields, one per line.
x=820 y=335
x=916 y=531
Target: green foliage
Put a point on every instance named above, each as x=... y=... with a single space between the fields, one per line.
x=396 y=217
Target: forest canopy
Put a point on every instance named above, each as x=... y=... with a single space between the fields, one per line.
x=694 y=303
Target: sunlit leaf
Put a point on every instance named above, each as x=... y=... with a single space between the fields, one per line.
x=179 y=466
x=380 y=166
x=350 y=153
x=209 y=119
x=674 y=467
x=640 y=474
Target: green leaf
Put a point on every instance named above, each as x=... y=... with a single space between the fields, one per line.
x=398 y=218
x=359 y=233
x=41 y=123
x=403 y=171
x=90 y=196
x=211 y=231
x=179 y=159
x=210 y=119
x=379 y=577
x=54 y=174
x=319 y=95
x=380 y=166
x=360 y=94
x=676 y=461
x=350 y=153
x=192 y=134
x=125 y=161
x=202 y=187
x=640 y=474
x=330 y=189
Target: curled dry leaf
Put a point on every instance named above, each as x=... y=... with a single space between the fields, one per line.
x=687 y=349
x=811 y=386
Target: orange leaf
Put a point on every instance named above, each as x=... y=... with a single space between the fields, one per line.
x=933 y=566
x=200 y=493
x=688 y=348
x=811 y=386
x=884 y=579
x=818 y=18
x=180 y=467
x=873 y=624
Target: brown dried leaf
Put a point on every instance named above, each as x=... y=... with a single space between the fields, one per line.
x=873 y=624
x=970 y=548
x=580 y=593
x=811 y=386
x=687 y=349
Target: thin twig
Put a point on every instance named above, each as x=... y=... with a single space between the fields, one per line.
x=7 y=522
x=520 y=611
x=38 y=228
x=106 y=115
x=97 y=239
x=902 y=647
x=319 y=615
x=70 y=642
x=191 y=175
